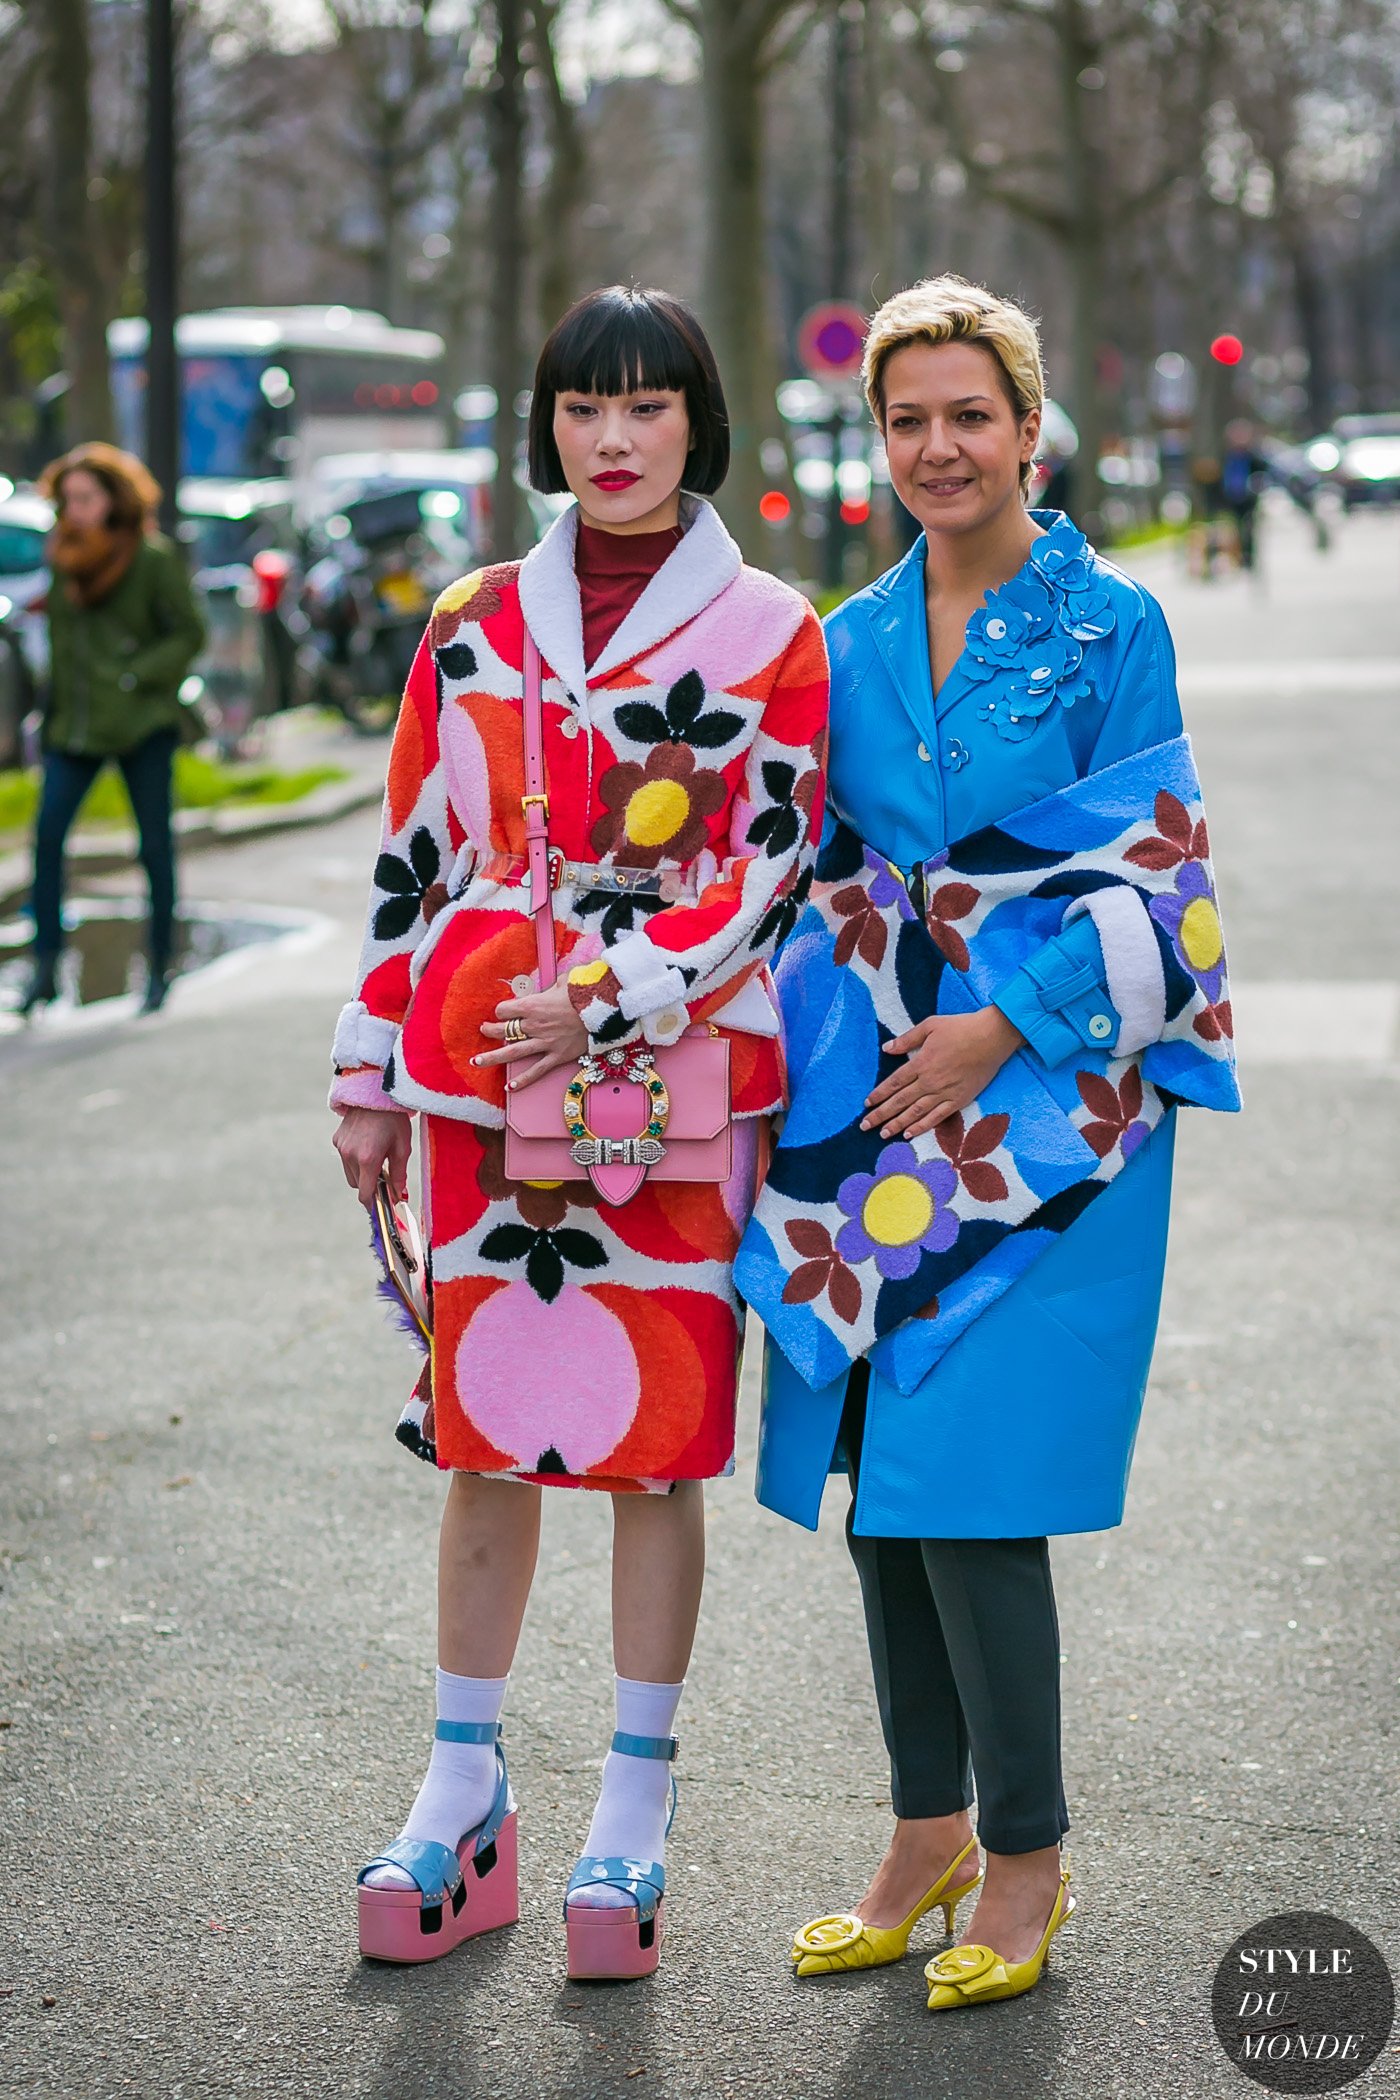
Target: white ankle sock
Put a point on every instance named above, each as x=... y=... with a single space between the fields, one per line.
x=630 y=1819
x=460 y=1782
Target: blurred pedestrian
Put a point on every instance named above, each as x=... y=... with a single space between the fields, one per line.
x=639 y=811
x=123 y=632
x=1244 y=473
x=967 y=1327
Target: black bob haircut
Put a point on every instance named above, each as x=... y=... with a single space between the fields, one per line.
x=620 y=341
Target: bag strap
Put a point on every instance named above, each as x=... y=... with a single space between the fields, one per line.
x=534 y=805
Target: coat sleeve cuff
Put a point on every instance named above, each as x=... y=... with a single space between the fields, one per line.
x=1132 y=963
x=362 y=1038
x=1058 y=998
x=362 y=1088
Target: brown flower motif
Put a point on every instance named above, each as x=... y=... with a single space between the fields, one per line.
x=968 y=1150
x=953 y=900
x=864 y=932
x=1176 y=838
x=543 y=1207
x=657 y=810
x=822 y=1269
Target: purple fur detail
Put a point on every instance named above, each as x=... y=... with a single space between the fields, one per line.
x=400 y=1315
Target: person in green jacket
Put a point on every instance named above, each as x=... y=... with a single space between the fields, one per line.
x=123 y=632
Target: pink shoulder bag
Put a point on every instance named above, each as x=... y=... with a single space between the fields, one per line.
x=626 y=1113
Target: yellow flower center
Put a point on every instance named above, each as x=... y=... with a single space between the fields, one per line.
x=656 y=812
x=1201 y=937
x=898 y=1211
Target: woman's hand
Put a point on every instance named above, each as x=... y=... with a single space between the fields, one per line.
x=371 y=1141
x=554 y=1035
x=948 y=1061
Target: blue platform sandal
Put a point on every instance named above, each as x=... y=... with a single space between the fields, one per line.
x=626 y=1941
x=455 y=1895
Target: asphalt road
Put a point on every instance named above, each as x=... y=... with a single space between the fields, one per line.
x=219 y=1567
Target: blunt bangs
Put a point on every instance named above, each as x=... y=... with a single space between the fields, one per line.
x=622 y=341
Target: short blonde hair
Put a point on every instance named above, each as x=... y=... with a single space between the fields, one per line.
x=950 y=310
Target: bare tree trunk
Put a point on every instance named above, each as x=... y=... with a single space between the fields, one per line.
x=505 y=127
x=563 y=192
x=1086 y=235
x=735 y=295
x=1310 y=305
x=77 y=276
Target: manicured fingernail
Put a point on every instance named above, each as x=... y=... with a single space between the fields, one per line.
x=866 y=1124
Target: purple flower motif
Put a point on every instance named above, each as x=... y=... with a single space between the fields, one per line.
x=1192 y=918
x=899 y=1212
x=886 y=887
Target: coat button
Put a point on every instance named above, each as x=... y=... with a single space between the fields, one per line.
x=668 y=1022
x=1100 y=1026
x=925 y=754
x=569 y=727
x=669 y=888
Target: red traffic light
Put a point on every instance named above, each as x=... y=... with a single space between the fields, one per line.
x=773 y=507
x=1227 y=349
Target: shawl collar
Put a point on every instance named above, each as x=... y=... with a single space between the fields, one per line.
x=704 y=564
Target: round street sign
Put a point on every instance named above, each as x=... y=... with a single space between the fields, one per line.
x=829 y=340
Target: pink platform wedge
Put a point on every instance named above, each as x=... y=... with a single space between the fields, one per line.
x=617 y=1944
x=456 y=1894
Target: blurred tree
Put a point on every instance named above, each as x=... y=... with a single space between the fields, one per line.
x=1050 y=154
x=741 y=44
x=404 y=69
x=562 y=193
x=505 y=132
x=71 y=233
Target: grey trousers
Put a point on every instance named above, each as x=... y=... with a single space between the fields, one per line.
x=965 y=1647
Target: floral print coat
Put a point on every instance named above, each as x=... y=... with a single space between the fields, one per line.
x=573 y=1342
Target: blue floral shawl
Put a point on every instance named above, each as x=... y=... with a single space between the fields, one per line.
x=862 y=1246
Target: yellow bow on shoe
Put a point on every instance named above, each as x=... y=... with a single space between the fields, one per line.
x=971 y=1974
x=842 y=1941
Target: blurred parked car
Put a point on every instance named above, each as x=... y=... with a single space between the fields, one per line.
x=1360 y=456
x=233 y=531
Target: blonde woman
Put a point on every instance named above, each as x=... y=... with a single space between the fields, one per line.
x=1007 y=975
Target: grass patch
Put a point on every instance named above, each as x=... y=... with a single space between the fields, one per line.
x=200 y=783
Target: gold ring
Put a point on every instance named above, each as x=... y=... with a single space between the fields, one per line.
x=515 y=1030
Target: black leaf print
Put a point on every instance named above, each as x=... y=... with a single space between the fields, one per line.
x=544 y=1271
x=684 y=701
x=616 y=1026
x=394 y=917
x=776 y=830
x=579 y=1249
x=424 y=856
x=616 y=915
x=508 y=1242
x=778 y=923
x=390 y=873
x=779 y=778
x=642 y=722
x=683 y=722
x=713 y=730
x=457 y=659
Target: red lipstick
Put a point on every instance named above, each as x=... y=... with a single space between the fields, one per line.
x=617 y=478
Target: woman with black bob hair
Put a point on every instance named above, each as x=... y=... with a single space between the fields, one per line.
x=585 y=1326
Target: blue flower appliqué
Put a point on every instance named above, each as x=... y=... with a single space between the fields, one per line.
x=1026 y=642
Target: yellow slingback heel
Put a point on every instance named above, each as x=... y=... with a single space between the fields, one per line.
x=833 y=1945
x=970 y=1975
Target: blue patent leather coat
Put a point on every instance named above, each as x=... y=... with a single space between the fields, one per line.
x=1026 y=1426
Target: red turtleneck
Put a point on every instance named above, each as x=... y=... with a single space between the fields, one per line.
x=613 y=569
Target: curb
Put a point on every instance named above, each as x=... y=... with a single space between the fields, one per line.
x=195 y=829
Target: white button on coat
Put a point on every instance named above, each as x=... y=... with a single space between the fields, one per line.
x=1100 y=1026
x=925 y=754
